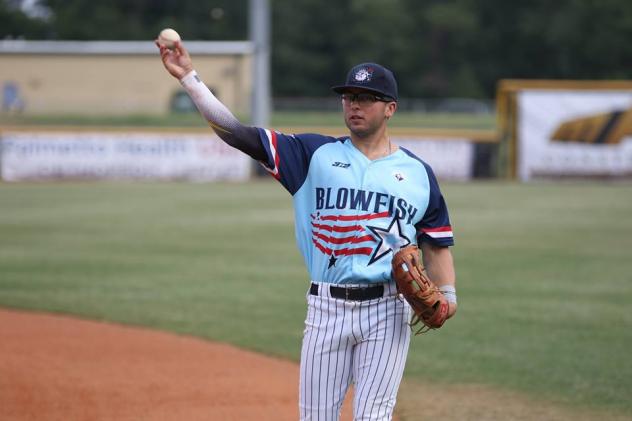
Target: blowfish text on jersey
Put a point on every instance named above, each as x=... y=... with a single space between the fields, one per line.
x=356 y=199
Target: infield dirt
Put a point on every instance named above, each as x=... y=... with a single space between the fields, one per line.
x=60 y=368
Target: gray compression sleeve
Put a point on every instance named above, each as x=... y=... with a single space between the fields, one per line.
x=225 y=124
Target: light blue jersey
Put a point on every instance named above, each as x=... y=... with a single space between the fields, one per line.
x=352 y=213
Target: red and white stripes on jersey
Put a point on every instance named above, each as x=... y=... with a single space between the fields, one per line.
x=439 y=232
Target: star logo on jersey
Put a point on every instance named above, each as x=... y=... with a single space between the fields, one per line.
x=389 y=239
x=332 y=261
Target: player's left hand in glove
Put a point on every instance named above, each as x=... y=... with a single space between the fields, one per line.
x=428 y=303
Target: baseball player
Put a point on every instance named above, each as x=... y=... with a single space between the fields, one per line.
x=357 y=200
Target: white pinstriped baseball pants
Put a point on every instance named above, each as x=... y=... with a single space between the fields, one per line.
x=365 y=342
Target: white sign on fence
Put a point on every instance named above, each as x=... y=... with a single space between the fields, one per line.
x=574 y=133
x=450 y=159
x=156 y=156
x=99 y=155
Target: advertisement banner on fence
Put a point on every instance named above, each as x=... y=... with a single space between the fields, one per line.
x=575 y=133
x=450 y=159
x=138 y=156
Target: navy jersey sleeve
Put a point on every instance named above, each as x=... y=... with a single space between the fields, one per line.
x=435 y=227
x=288 y=156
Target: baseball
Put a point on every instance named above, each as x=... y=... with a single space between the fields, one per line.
x=168 y=37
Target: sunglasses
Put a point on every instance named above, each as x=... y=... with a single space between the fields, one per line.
x=364 y=98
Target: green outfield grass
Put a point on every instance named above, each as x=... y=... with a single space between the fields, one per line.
x=544 y=275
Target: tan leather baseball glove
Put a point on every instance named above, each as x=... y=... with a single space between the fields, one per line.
x=428 y=303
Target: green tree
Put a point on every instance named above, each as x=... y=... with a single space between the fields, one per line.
x=437 y=48
x=15 y=24
x=143 y=19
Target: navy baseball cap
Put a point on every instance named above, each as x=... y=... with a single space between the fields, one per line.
x=371 y=77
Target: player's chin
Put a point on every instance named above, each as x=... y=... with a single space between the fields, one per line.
x=358 y=127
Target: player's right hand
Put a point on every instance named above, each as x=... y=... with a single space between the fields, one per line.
x=177 y=61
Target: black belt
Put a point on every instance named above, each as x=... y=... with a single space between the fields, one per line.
x=352 y=293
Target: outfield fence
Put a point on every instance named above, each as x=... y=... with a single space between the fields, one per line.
x=199 y=155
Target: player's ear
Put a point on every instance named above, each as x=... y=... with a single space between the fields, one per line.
x=390 y=109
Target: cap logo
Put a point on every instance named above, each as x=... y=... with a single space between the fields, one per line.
x=363 y=75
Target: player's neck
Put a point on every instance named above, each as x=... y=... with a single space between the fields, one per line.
x=375 y=146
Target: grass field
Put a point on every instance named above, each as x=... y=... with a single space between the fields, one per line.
x=544 y=275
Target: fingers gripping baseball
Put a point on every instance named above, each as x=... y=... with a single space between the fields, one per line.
x=176 y=60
